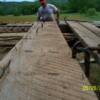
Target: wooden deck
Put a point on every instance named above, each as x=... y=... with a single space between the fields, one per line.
x=41 y=68
x=85 y=35
x=89 y=35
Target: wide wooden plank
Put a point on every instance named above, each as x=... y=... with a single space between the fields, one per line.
x=85 y=35
x=92 y=28
x=41 y=68
x=8 y=57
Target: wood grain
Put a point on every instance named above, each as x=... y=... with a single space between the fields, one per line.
x=41 y=68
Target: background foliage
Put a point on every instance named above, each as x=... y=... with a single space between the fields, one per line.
x=65 y=6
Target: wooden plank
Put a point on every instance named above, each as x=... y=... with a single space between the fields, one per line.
x=92 y=28
x=41 y=68
x=8 y=57
x=85 y=35
x=6 y=35
x=10 y=39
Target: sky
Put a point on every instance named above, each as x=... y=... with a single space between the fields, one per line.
x=17 y=0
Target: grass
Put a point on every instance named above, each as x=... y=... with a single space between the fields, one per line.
x=17 y=19
x=74 y=16
x=83 y=17
x=31 y=18
x=95 y=77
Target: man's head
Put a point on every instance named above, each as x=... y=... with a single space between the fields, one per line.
x=42 y=2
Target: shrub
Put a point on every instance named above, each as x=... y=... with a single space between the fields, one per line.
x=91 y=12
x=83 y=10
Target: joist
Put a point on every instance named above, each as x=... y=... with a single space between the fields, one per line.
x=41 y=68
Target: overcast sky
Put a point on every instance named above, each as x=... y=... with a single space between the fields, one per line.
x=17 y=0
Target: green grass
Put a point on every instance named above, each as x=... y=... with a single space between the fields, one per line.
x=74 y=16
x=84 y=17
x=31 y=18
x=17 y=19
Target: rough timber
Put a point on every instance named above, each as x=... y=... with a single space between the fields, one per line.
x=41 y=68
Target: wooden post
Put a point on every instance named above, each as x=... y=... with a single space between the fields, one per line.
x=87 y=64
x=99 y=49
x=74 y=49
x=74 y=52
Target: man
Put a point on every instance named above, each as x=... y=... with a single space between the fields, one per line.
x=47 y=12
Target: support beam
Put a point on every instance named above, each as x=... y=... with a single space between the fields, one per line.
x=74 y=49
x=87 y=64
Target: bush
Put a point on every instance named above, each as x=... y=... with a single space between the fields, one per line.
x=16 y=12
x=83 y=10
x=91 y=12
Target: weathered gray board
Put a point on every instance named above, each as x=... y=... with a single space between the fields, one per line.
x=41 y=68
x=88 y=34
x=92 y=28
x=14 y=28
x=10 y=39
x=89 y=38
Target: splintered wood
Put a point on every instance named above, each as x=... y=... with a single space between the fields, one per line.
x=41 y=68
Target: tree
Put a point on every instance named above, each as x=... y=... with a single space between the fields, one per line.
x=77 y=5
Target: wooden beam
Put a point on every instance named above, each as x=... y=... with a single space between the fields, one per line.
x=87 y=64
x=5 y=62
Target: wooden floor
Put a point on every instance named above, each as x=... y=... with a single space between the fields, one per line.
x=41 y=68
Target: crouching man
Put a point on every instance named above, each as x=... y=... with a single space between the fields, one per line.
x=47 y=12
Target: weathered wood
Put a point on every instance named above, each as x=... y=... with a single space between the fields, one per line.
x=92 y=28
x=8 y=35
x=87 y=64
x=4 y=65
x=86 y=36
x=41 y=68
x=14 y=28
x=10 y=39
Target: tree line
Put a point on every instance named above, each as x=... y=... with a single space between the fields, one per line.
x=18 y=8
x=65 y=6
x=83 y=5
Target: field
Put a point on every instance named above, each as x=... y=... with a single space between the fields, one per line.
x=31 y=18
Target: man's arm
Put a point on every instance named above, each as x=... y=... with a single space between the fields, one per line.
x=56 y=11
x=57 y=16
